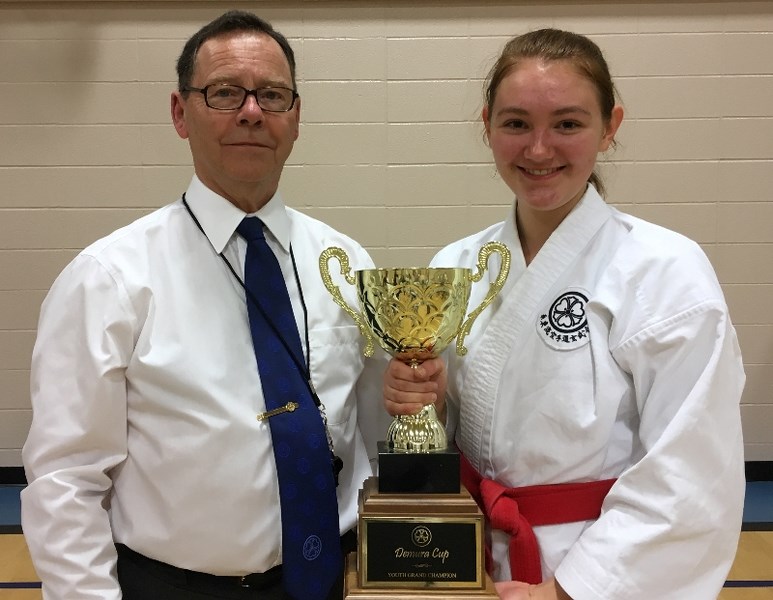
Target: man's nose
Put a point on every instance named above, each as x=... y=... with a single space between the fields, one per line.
x=250 y=112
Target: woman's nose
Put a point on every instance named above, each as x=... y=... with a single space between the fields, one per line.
x=538 y=146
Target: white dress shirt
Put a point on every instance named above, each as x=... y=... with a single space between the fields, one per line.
x=145 y=392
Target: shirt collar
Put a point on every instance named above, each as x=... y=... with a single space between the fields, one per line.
x=219 y=218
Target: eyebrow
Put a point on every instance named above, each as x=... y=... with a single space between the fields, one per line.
x=269 y=83
x=514 y=110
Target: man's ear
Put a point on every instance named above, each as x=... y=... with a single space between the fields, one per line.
x=297 y=117
x=178 y=114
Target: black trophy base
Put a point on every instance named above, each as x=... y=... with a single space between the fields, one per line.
x=435 y=472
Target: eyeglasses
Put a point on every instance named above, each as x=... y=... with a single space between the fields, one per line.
x=232 y=97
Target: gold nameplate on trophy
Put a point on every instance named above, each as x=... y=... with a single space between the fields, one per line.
x=414 y=543
x=413 y=549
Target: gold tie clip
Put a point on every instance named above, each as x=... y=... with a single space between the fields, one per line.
x=289 y=407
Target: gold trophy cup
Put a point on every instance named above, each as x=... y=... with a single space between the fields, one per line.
x=414 y=314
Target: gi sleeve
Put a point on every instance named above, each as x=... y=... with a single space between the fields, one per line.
x=78 y=433
x=669 y=527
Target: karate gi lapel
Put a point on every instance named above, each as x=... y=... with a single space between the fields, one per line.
x=523 y=296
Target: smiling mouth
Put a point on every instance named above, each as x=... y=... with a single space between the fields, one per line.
x=540 y=172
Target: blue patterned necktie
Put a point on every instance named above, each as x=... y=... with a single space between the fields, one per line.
x=311 y=547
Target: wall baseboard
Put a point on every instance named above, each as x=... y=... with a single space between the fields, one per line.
x=759 y=470
x=756 y=470
x=12 y=476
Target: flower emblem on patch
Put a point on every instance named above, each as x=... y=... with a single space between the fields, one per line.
x=565 y=324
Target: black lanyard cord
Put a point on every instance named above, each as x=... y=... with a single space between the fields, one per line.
x=305 y=369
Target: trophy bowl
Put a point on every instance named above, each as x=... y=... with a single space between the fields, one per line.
x=414 y=314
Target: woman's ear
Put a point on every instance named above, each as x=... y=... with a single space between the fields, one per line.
x=612 y=126
x=484 y=115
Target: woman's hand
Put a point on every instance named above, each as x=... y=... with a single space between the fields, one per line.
x=513 y=590
x=517 y=590
x=408 y=390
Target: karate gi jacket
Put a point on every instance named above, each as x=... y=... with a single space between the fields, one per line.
x=611 y=355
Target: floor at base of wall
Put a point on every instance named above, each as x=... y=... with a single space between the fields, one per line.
x=757 y=514
x=742 y=583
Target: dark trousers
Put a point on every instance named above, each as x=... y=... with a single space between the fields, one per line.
x=143 y=578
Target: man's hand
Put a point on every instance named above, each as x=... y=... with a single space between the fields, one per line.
x=408 y=390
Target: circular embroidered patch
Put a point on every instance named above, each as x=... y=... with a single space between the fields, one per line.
x=565 y=325
x=312 y=547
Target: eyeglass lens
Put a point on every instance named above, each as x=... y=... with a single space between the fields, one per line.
x=226 y=97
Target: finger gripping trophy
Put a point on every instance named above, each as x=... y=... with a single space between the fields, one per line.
x=414 y=314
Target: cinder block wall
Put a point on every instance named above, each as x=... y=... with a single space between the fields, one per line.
x=390 y=148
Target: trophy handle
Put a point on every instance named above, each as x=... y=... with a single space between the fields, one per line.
x=494 y=289
x=324 y=270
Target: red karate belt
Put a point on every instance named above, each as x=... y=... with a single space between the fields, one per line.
x=516 y=510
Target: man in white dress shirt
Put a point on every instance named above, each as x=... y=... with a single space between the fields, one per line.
x=149 y=474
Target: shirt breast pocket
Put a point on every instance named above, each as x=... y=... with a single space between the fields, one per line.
x=336 y=362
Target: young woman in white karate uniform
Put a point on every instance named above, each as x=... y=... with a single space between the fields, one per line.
x=604 y=381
